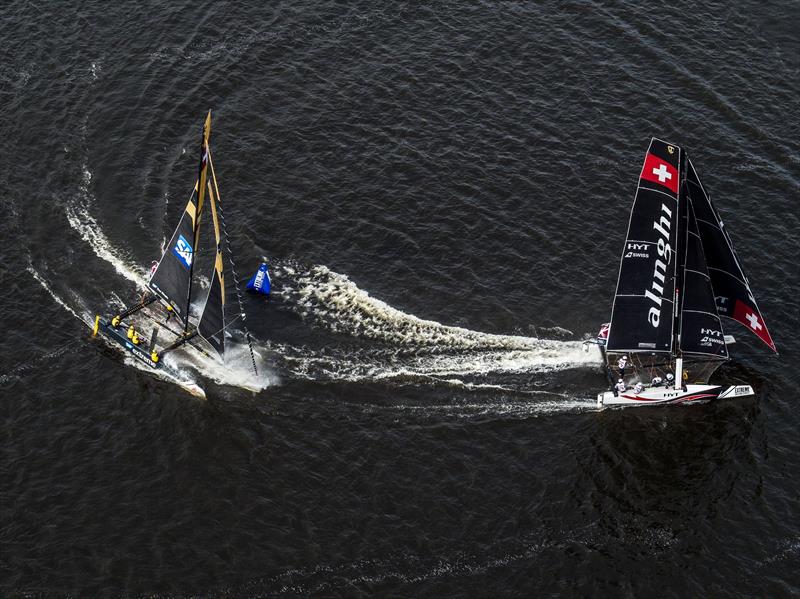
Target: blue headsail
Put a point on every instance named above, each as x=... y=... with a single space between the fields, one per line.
x=260 y=281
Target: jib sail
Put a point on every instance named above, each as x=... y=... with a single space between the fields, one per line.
x=700 y=326
x=172 y=279
x=734 y=298
x=642 y=316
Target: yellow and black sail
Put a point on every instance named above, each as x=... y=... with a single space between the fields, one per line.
x=172 y=280
x=212 y=321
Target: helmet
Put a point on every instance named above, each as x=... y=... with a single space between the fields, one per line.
x=619 y=381
x=669 y=376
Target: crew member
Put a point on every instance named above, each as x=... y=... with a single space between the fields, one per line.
x=620 y=386
x=622 y=363
x=638 y=388
x=670 y=379
x=656 y=382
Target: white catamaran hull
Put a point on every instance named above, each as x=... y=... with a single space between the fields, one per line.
x=665 y=395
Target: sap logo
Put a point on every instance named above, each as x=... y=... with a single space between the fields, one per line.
x=183 y=250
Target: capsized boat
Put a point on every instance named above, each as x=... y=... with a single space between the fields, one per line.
x=678 y=275
x=171 y=285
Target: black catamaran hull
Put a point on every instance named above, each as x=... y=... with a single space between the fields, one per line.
x=119 y=335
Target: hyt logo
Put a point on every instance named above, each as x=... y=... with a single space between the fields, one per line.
x=183 y=250
x=637 y=250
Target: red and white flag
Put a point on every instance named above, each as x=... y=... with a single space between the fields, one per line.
x=660 y=171
x=752 y=319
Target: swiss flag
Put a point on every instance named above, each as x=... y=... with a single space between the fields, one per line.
x=752 y=319
x=660 y=171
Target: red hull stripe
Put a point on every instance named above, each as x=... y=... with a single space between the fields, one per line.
x=675 y=399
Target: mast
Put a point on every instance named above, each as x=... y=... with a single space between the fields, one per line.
x=680 y=270
x=201 y=195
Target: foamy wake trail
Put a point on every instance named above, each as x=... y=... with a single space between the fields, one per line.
x=84 y=316
x=85 y=225
x=333 y=300
x=417 y=347
x=421 y=347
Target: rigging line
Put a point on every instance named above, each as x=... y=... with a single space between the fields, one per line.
x=177 y=334
x=233 y=264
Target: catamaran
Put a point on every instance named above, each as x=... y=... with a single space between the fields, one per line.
x=678 y=275
x=172 y=285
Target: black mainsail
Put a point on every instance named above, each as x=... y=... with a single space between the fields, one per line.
x=642 y=317
x=172 y=280
x=678 y=272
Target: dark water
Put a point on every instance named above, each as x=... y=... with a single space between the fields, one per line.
x=469 y=164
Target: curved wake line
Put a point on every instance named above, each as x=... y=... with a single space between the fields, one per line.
x=504 y=409
x=85 y=225
x=332 y=301
x=85 y=318
x=337 y=303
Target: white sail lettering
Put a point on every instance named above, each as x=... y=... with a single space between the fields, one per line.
x=656 y=299
x=663 y=226
x=665 y=250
